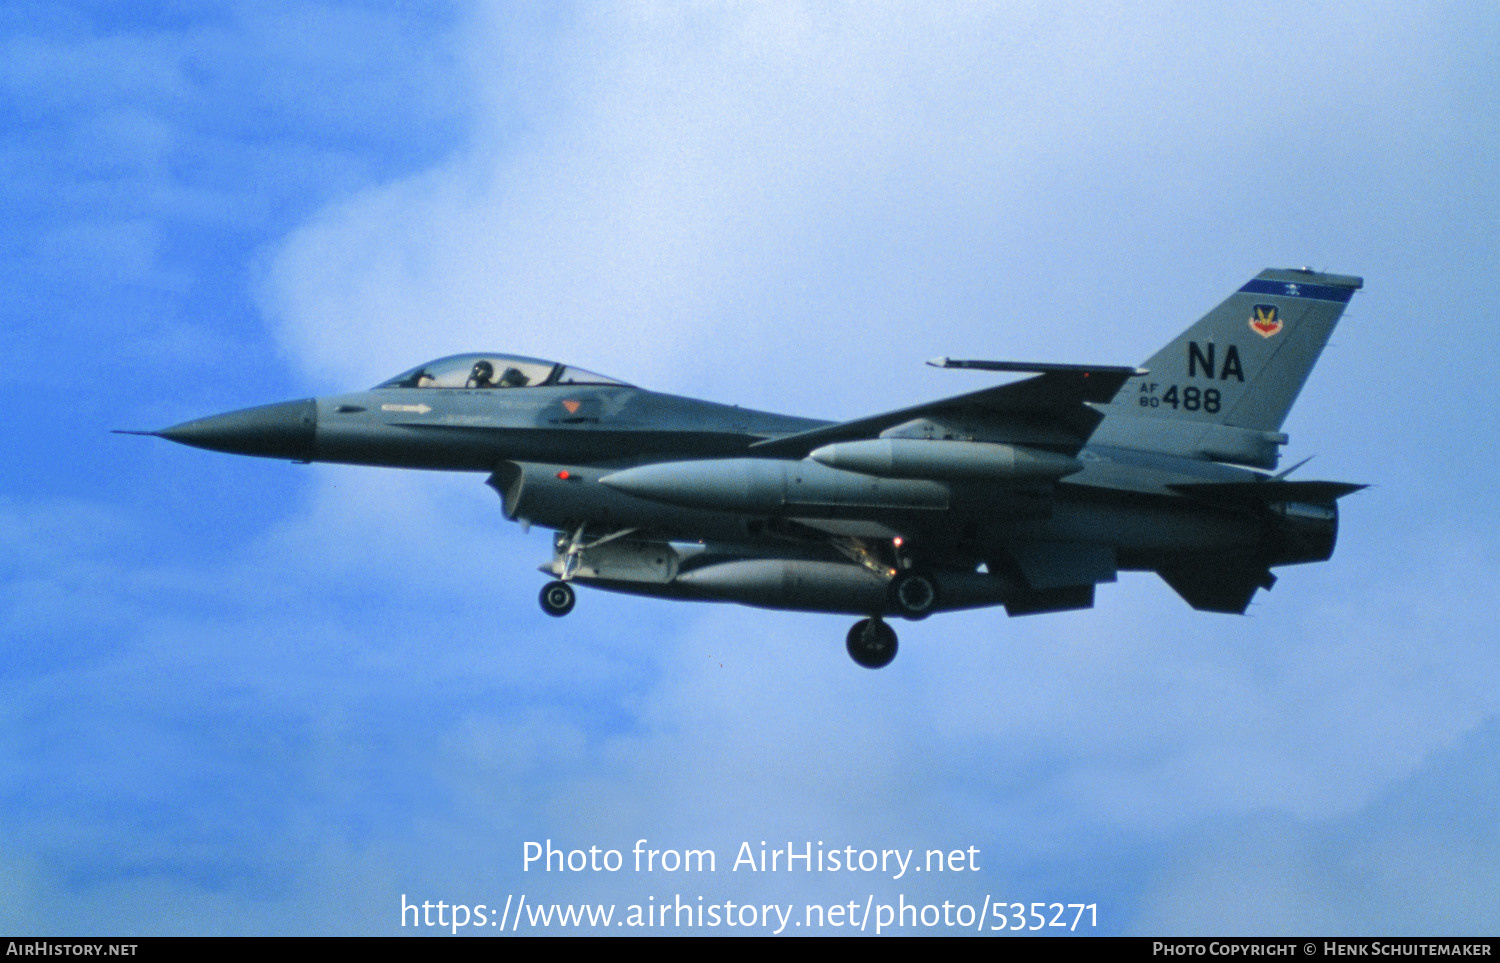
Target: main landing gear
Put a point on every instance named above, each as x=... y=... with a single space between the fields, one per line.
x=872 y=643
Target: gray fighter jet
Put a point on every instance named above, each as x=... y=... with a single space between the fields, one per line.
x=1025 y=495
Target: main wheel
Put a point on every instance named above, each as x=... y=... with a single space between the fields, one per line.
x=557 y=598
x=872 y=643
x=914 y=594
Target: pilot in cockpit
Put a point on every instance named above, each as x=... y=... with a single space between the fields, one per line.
x=482 y=375
x=490 y=371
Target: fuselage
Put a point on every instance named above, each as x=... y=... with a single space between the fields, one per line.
x=526 y=438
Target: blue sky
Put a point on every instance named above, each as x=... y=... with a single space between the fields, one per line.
x=244 y=696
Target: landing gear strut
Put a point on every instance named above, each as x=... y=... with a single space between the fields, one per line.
x=557 y=598
x=872 y=643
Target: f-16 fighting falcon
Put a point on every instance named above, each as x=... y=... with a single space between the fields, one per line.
x=1026 y=495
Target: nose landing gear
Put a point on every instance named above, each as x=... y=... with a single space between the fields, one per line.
x=557 y=598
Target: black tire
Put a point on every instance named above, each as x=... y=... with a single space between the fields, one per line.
x=914 y=594
x=871 y=643
x=557 y=598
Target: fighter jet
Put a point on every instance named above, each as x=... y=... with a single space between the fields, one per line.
x=1026 y=495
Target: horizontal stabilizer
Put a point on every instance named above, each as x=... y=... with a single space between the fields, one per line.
x=1226 y=589
x=1265 y=492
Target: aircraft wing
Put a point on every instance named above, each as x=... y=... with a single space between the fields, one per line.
x=1048 y=411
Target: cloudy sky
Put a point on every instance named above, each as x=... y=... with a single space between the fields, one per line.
x=245 y=696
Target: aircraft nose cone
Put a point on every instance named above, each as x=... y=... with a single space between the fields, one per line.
x=284 y=430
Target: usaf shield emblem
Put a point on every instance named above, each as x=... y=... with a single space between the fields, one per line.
x=1264 y=320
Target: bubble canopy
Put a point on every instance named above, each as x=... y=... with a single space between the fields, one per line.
x=494 y=371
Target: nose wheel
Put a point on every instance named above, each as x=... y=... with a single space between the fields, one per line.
x=872 y=643
x=557 y=598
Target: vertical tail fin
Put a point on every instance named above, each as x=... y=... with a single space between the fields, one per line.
x=1223 y=388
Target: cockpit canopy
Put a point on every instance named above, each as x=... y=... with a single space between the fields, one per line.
x=494 y=371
